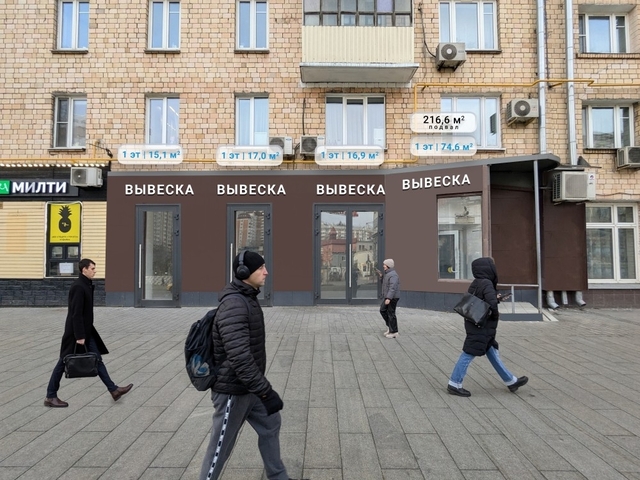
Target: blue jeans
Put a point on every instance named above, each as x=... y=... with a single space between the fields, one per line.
x=58 y=371
x=460 y=370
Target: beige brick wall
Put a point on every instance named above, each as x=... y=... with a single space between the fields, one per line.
x=117 y=75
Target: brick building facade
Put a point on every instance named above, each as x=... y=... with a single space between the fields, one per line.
x=82 y=79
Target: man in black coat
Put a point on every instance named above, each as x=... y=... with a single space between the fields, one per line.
x=241 y=390
x=79 y=331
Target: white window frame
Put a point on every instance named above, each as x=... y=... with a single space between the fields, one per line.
x=587 y=125
x=166 y=24
x=253 y=23
x=584 y=32
x=615 y=227
x=70 y=122
x=75 y=26
x=256 y=136
x=165 y=120
x=485 y=125
x=365 y=119
x=482 y=39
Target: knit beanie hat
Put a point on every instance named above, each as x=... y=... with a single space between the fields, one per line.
x=389 y=262
x=251 y=260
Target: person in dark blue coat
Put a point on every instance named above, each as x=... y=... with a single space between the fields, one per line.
x=80 y=335
x=482 y=341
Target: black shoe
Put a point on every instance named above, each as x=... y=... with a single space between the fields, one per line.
x=521 y=381
x=461 y=392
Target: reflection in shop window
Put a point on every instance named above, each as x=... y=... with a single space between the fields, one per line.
x=611 y=243
x=459 y=235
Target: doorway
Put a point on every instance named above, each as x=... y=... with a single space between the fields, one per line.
x=157 y=256
x=348 y=250
x=249 y=228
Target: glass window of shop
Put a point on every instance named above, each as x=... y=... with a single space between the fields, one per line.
x=459 y=235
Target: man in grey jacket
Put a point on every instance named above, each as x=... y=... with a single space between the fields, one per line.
x=390 y=297
x=241 y=390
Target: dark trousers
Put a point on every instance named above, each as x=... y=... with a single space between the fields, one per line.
x=388 y=312
x=58 y=371
x=231 y=411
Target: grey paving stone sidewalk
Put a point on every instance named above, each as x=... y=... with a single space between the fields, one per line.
x=357 y=405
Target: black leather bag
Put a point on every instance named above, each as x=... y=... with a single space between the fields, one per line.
x=473 y=309
x=80 y=365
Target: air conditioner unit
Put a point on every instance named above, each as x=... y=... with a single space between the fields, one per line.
x=522 y=110
x=573 y=186
x=450 y=55
x=285 y=143
x=308 y=144
x=86 y=177
x=628 y=157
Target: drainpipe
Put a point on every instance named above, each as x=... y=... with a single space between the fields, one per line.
x=542 y=135
x=571 y=110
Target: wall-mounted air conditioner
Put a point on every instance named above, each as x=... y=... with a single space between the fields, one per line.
x=628 y=157
x=308 y=144
x=522 y=110
x=450 y=55
x=285 y=143
x=573 y=186
x=86 y=177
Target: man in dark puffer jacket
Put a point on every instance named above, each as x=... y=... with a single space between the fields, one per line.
x=482 y=341
x=241 y=391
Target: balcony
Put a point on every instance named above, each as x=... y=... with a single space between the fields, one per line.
x=357 y=54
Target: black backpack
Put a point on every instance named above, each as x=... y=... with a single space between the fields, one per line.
x=198 y=350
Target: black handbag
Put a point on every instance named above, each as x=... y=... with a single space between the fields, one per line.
x=473 y=309
x=80 y=365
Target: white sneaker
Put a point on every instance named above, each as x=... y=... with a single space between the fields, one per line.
x=391 y=335
x=386 y=332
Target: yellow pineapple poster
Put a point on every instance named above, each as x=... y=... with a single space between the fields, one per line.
x=64 y=222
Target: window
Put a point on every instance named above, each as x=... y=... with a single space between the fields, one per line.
x=473 y=23
x=252 y=24
x=370 y=13
x=355 y=120
x=70 y=122
x=602 y=33
x=252 y=120
x=459 y=235
x=612 y=236
x=164 y=25
x=163 y=120
x=487 y=133
x=607 y=126
x=73 y=25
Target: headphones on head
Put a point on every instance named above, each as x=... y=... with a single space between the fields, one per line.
x=242 y=272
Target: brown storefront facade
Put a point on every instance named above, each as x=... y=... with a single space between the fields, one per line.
x=171 y=236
